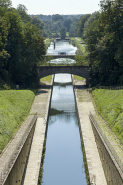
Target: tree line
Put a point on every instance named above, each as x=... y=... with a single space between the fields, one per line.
x=21 y=44
x=56 y=24
x=103 y=35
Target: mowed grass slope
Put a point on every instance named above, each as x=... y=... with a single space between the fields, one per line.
x=110 y=105
x=14 y=108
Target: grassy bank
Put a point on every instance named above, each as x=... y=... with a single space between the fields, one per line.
x=47 y=42
x=14 y=108
x=47 y=78
x=81 y=40
x=76 y=43
x=78 y=77
x=110 y=106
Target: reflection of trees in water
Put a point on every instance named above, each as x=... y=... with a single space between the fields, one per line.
x=62 y=84
x=62 y=116
x=55 y=112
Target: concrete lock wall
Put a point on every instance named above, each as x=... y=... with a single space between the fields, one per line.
x=113 y=173
x=16 y=174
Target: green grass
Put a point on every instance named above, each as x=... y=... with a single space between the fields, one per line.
x=76 y=43
x=47 y=42
x=110 y=105
x=47 y=78
x=14 y=108
x=78 y=77
x=81 y=39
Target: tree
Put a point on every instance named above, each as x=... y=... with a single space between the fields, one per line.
x=36 y=21
x=3 y=53
x=67 y=24
x=22 y=10
x=5 y=3
x=91 y=19
x=73 y=30
x=57 y=17
x=81 y=23
x=33 y=51
x=14 y=41
x=104 y=39
x=63 y=32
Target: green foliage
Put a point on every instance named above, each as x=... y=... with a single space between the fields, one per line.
x=14 y=108
x=57 y=17
x=5 y=3
x=63 y=32
x=103 y=32
x=81 y=23
x=76 y=43
x=104 y=39
x=36 y=21
x=67 y=24
x=21 y=45
x=22 y=10
x=110 y=105
x=6 y=87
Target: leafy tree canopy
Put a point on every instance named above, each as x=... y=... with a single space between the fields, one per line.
x=5 y=3
x=63 y=32
x=57 y=17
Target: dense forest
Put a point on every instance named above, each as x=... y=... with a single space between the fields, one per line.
x=21 y=44
x=53 y=24
x=103 y=35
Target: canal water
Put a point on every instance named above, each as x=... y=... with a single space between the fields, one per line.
x=61 y=46
x=63 y=163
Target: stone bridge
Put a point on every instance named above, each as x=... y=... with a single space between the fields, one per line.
x=82 y=71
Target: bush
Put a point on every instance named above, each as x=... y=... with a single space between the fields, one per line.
x=6 y=87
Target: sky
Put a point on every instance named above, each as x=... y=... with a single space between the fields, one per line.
x=49 y=7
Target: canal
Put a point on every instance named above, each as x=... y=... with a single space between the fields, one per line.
x=63 y=163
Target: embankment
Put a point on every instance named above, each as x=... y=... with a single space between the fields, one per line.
x=25 y=149
x=84 y=105
x=102 y=162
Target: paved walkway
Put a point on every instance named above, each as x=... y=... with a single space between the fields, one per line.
x=41 y=106
x=85 y=105
x=83 y=45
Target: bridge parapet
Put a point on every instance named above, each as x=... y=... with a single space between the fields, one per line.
x=59 y=56
x=82 y=71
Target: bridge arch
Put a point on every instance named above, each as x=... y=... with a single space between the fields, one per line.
x=82 y=71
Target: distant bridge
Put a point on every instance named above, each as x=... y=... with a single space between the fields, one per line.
x=82 y=71
x=59 y=56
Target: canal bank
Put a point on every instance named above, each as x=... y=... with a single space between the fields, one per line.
x=63 y=163
x=41 y=106
x=84 y=106
x=31 y=133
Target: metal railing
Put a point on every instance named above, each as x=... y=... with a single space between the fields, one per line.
x=9 y=164
x=107 y=142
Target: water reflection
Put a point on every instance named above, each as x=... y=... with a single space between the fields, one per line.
x=63 y=159
x=61 y=46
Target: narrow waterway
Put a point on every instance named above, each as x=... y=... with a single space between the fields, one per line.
x=63 y=164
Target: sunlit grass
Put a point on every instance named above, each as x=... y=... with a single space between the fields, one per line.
x=14 y=108
x=110 y=105
x=78 y=77
x=47 y=78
